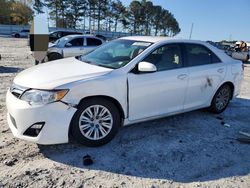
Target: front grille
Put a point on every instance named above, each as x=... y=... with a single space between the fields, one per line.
x=13 y=121
x=16 y=90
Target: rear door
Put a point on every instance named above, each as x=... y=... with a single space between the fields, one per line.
x=206 y=73
x=161 y=92
x=74 y=47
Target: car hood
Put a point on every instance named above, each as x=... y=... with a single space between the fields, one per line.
x=53 y=74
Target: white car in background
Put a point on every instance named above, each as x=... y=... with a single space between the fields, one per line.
x=72 y=45
x=22 y=33
x=243 y=56
x=125 y=81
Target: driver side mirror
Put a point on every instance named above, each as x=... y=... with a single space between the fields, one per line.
x=146 y=67
x=68 y=45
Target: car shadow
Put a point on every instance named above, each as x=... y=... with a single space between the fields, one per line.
x=190 y=147
x=4 y=69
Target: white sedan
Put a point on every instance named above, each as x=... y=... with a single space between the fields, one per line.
x=129 y=80
x=72 y=45
x=22 y=33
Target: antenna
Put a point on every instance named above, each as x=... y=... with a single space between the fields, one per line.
x=191 y=31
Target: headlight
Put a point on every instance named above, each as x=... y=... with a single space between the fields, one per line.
x=40 y=97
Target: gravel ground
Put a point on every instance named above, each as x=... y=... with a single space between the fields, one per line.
x=188 y=150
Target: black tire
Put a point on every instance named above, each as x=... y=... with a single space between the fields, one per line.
x=224 y=91
x=17 y=35
x=54 y=56
x=75 y=131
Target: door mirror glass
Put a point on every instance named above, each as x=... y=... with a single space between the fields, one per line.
x=68 y=45
x=146 y=67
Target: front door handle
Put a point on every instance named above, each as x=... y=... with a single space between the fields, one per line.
x=182 y=76
x=220 y=70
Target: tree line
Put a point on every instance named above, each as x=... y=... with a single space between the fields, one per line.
x=139 y=17
x=15 y=12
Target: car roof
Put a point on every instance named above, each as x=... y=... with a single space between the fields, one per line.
x=66 y=31
x=155 y=39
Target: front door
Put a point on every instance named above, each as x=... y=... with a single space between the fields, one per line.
x=161 y=92
x=73 y=47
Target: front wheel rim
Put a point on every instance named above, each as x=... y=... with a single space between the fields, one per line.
x=95 y=122
x=222 y=98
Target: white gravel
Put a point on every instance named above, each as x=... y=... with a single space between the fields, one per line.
x=188 y=150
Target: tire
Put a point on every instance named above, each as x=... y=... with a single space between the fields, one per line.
x=221 y=99
x=17 y=35
x=247 y=58
x=83 y=119
x=54 y=56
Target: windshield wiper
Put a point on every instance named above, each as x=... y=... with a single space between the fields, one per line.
x=106 y=66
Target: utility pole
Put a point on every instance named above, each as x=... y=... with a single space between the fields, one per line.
x=191 y=31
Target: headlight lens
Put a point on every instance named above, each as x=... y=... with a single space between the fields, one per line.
x=40 y=97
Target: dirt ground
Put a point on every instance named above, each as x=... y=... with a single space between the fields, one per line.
x=188 y=150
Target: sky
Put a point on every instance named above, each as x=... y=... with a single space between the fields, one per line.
x=214 y=20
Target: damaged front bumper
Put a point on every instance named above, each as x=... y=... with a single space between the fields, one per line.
x=55 y=118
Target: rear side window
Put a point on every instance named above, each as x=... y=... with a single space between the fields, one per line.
x=200 y=55
x=93 y=42
x=76 y=42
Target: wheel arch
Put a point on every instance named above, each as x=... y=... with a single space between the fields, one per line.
x=52 y=53
x=231 y=85
x=111 y=99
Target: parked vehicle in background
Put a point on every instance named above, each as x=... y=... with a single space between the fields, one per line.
x=125 y=81
x=22 y=33
x=241 y=51
x=55 y=35
x=72 y=45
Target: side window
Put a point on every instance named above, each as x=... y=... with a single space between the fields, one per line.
x=75 y=42
x=200 y=55
x=166 y=57
x=93 y=42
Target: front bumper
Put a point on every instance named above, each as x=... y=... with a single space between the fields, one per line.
x=57 y=117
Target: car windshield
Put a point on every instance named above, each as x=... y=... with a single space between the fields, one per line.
x=115 y=54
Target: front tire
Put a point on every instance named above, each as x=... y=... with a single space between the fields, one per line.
x=54 y=56
x=17 y=35
x=221 y=99
x=96 y=122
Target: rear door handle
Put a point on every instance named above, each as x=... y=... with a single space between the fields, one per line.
x=182 y=76
x=221 y=70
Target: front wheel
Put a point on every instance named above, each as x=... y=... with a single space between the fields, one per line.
x=54 y=56
x=96 y=122
x=221 y=99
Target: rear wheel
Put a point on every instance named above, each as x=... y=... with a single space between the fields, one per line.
x=17 y=35
x=96 y=122
x=221 y=99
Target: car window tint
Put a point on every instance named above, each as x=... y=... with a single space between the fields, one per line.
x=215 y=59
x=166 y=57
x=76 y=42
x=200 y=55
x=93 y=42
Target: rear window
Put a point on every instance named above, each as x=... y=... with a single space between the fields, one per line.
x=200 y=55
